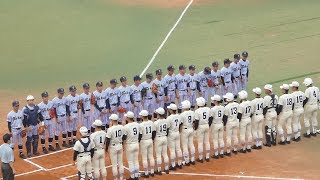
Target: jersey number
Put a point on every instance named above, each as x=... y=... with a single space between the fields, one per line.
x=101 y=142
x=299 y=99
x=314 y=94
x=176 y=121
x=118 y=133
x=259 y=106
x=204 y=115
x=248 y=109
x=163 y=128
x=234 y=111
x=148 y=130
x=135 y=132
x=189 y=119
x=289 y=101
x=219 y=114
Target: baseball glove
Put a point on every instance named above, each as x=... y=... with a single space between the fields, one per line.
x=93 y=99
x=52 y=113
x=23 y=133
x=144 y=92
x=122 y=109
x=41 y=130
x=210 y=83
x=80 y=104
x=155 y=89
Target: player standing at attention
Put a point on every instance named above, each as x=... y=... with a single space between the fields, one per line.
x=73 y=100
x=244 y=63
x=174 y=122
x=83 y=152
x=161 y=84
x=112 y=101
x=148 y=99
x=170 y=80
x=194 y=86
x=235 y=67
x=182 y=86
x=15 y=125
x=114 y=139
x=85 y=98
x=244 y=116
x=137 y=98
x=131 y=132
x=217 y=113
x=257 y=118
x=187 y=133
x=100 y=107
x=311 y=107
x=226 y=77
x=161 y=128
x=125 y=97
x=269 y=111
x=146 y=137
x=284 y=111
x=203 y=122
x=45 y=107
x=98 y=160
x=204 y=76
x=231 y=123
x=298 y=98
x=216 y=77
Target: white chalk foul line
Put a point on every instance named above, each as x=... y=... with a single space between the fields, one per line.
x=44 y=155
x=165 y=39
x=26 y=173
x=35 y=164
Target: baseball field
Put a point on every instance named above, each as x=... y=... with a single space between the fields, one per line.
x=47 y=44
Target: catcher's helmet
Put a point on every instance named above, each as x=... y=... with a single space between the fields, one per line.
x=72 y=88
x=136 y=78
x=207 y=70
x=170 y=68
x=123 y=78
x=192 y=67
x=236 y=56
x=45 y=94
x=245 y=54
x=149 y=76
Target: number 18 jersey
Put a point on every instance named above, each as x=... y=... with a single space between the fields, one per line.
x=202 y=114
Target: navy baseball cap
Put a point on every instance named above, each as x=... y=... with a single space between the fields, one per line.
x=136 y=78
x=170 y=68
x=6 y=137
x=45 y=94
x=236 y=56
x=207 y=70
x=15 y=103
x=86 y=85
x=226 y=61
x=149 y=76
x=72 y=88
x=192 y=67
x=245 y=54
x=99 y=84
x=215 y=64
x=181 y=67
x=114 y=81
x=122 y=79
x=158 y=72
x=60 y=90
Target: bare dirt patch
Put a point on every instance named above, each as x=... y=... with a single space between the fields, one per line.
x=162 y=3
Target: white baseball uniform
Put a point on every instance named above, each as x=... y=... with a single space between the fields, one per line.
x=48 y=122
x=194 y=80
x=61 y=111
x=216 y=89
x=137 y=98
x=124 y=95
x=161 y=143
x=86 y=115
x=174 y=121
x=226 y=74
x=160 y=96
x=235 y=67
x=298 y=98
x=202 y=115
x=257 y=120
x=182 y=83
x=285 y=117
x=217 y=113
x=100 y=110
x=232 y=125
x=271 y=116
x=72 y=102
x=244 y=73
x=203 y=78
x=311 y=109
x=111 y=95
x=146 y=145
x=149 y=99
x=245 y=108
x=187 y=133
x=99 y=159
x=171 y=86
x=15 y=118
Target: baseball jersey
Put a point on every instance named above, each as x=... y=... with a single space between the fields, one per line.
x=174 y=121
x=112 y=95
x=194 y=79
x=15 y=118
x=136 y=92
x=99 y=139
x=79 y=147
x=115 y=134
x=171 y=82
x=312 y=93
x=286 y=101
x=124 y=93
x=45 y=109
x=203 y=78
x=132 y=131
x=86 y=100
x=245 y=108
x=160 y=127
x=217 y=113
x=146 y=129
x=257 y=106
x=231 y=110
x=269 y=103
x=235 y=67
x=72 y=102
x=60 y=105
x=244 y=66
x=202 y=114
x=226 y=74
x=215 y=75
x=148 y=87
x=100 y=98
x=161 y=85
x=298 y=98
x=182 y=81
x=187 y=119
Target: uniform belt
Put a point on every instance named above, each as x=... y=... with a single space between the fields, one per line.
x=237 y=77
x=182 y=89
x=193 y=89
x=204 y=86
x=5 y=163
x=138 y=101
x=101 y=107
x=148 y=98
x=63 y=115
x=160 y=94
x=48 y=119
x=114 y=104
x=227 y=82
x=258 y=114
x=17 y=128
x=160 y=136
x=171 y=90
x=243 y=74
x=75 y=111
x=96 y=149
x=126 y=102
x=87 y=110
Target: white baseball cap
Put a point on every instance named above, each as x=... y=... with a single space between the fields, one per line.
x=216 y=98
x=284 y=86
x=97 y=122
x=186 y=104
x=172 y=107
x=83 y=131
x=257 y=90
x=229 y=97
x=200 y=101
x=307 y=81
x=30 y=97
x=243 y=95
x=160 y=111
x=144 y=113
x=129 y=114
x=114 y=117
x=268 y=87
x=294 y=84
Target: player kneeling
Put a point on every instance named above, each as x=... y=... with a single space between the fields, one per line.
x=244 y=116
x=83 y=152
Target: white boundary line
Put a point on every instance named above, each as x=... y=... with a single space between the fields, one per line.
x=165 y=39
x=35 y=164
x=43 y=155
x=30 y=172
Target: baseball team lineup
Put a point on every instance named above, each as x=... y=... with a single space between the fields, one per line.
x=165 y=113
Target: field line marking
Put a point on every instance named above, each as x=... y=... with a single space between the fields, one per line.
x=35 y=164
x=67 y=177
x=166 y=38
x=59 y=167
x=43 y=155
x=29 y=172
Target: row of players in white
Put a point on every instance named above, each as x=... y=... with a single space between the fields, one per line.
x=168 y=132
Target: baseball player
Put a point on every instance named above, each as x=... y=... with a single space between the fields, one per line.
x=203 y=120
x=269 y=111
x=244 y=116
x=244 y=63
x=187 y=133
x=216 y=77
x=137 y=98
x=159 y=96
x=112 y=100
x=311 y=107
x=125 y=97
x=235 y=67
x=231 y=123
x=45 y=106
x=161 y=143
x=170 y=80
x=114 y=139
x=298 y=98
x=73 y=100
x=100 y=107
x=182 y=86
x=226 y=77
x=60 y=107
x=284 y=111
x=149 y=99
x=14 y=119
x=83 y=152
x=217 y=113
x=174 y=122
x=87 y=116
x=204 y=76
x=98 y=160
x=32 y=117
x=194 y=86
x=131 y=132
x=257 y=118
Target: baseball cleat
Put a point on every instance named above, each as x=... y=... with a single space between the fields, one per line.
x=152 y=174
x=267 y=144
x=36 y=153
x=221 y=155
x=167 y=171
x=172 y=168
x=282 y=143
x=44 y=150
x=58 y=147
x=255 y=147
x=274 y=143
x=248 y=150
x=187 y=164
x=29 y=155
x=64 y=144
x=235 y=151
x=297 y=139
x=208 y=159
x=22 y=156
x=215 y=157
x=314 y=134
x=307 y=135
x=179 y=166
x=158 y=173
x=51 y=148
x=243 y=151
x=192 y=162
x=200 y=161
x=143 y=175
x=288 y=142
x=228 y=154
x=259 y=147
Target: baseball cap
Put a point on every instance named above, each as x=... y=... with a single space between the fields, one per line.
x=216 y=98
x=60 y=90
x=172 y=106
x=207 y=70
x=72 y=88
x=214 y=64
x=45 y=94
x=122 y=79
x=229 y=97
x=15 y=103
x=245 y=54
x=200 y=101
x=307 y=81
x=226 y=61
x=149 y=76
x=243 y=95
x=6 y=137
x=136 y=78
x=99 y=84
x=160 y=111
x=257 y=90
x=113 y=81
x=158 y=72
x=284 y=86
x=114 y=117
x=129 y=114
x=192 y=67
x=186 y=104
x=170 y=68
x=181 y=67
x=236 y=56
x=30 y=97
x=144 y=113
x=294 y=84
x=83 y=131
x=86 y=85
x=268 y=87
x=97 y=122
